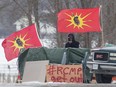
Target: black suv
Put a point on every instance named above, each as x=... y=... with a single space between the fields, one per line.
x=102 y=63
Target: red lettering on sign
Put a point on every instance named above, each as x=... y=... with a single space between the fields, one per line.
x=58 y=79
x=65 y=70
x=59 y=70
x=72 y=70
x=76 y=79
x=79 y=70
x=51 y=70
x=65 y=73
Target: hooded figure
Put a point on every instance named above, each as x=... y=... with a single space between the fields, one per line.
x=72 y=42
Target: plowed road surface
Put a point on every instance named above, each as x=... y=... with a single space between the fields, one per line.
x=56 y=85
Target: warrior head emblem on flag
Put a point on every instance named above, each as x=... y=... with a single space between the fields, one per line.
x=79 y=20
x=25 y=38
x=19 y=42
x=76 y=20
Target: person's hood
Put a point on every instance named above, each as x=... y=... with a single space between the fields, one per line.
x=71 y=35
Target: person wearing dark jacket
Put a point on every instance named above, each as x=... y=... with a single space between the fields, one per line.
x=72 y=42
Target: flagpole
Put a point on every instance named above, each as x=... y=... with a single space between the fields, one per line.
x=102 y=33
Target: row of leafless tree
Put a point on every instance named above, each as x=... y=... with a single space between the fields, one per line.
x=45 y=12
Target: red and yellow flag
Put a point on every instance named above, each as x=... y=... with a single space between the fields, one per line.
x=25 y=38
x=79 y=20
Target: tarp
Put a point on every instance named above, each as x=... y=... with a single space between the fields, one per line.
x=54 y=55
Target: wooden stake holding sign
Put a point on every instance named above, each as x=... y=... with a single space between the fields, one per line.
x=64 y=73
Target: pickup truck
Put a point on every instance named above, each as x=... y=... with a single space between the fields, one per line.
x=102 y=63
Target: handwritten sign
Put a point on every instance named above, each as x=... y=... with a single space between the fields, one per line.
x=64 y=73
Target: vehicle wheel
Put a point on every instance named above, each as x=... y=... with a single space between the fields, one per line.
x=101 y=78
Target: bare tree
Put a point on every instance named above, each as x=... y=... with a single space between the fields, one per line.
x=35 y=10
x=45 y=12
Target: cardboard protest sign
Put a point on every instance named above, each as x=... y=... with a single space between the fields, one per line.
x=64 y=73
x=35 y=71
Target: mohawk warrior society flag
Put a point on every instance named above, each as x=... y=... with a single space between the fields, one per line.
x=25 y=38
x=79 y=20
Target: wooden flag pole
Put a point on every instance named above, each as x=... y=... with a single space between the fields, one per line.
x=102 y=33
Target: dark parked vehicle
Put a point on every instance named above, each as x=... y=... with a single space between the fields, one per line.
x=102 y=63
